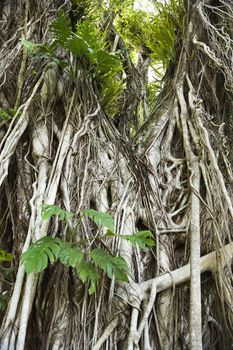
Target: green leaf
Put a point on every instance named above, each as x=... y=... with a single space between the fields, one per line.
x=70 y=255
x=77 y=45
x=37 y=257
x=111 y=234
x=4 y=256
x=89 y=34
x=100 y=218
x=61 y=28
x=31 y=47
x=6 y=115
x=49 y=210
x=87 y=271
x=42 y=50
x=112 y=265
x=141 y=238
x=108 y=63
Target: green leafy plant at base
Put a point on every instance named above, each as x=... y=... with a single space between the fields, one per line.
x=70 y=255
x=49 y=210
x=36 y=258
x=88 y=263
x=101 y=219
x=142 y=238
x=112 y=265
x=87 y=271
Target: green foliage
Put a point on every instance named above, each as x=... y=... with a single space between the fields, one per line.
x=48 y=210
x=164 y=27
x=70 y=255
x=155 y=34
x=31 y=47
x=112 y=265
x=153 y=88
x=61 y=28
x=142 y=238
x=87 y=262
x=87 y=271
x=4 y=256
x=7 y=115
x=45 y=51
x=100 y=218
x=131 y=25
x=88 y=44
x=38 y=255
x=89 y=9
x=5 y=259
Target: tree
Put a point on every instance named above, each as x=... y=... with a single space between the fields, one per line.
x=77 y=131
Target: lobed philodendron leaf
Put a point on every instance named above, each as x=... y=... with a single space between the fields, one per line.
x=87 y=271
x=37 y=257
x=141 y=238
x=70 y=255
x=112 y=265
x=100 y=218
x=48 y=210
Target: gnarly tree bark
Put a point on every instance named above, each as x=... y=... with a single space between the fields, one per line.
x=173 y=177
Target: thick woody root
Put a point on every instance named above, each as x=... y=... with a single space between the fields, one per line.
x=148 y=290
x=44 y=191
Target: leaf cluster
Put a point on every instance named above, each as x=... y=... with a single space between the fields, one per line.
x=88 y=44
x=49 y=210
x=88 y=263
x=153 y=33
x=88 y=266
x=6 y=115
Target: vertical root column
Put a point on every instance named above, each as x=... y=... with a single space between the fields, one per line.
x=195 y=321
x=195 y=272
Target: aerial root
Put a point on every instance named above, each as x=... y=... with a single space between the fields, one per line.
x=110 y=328
x=166 y=281
x=12 y=138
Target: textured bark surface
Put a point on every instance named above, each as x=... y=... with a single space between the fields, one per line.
x=174 y=178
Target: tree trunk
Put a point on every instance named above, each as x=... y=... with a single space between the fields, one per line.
x=174 y=178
